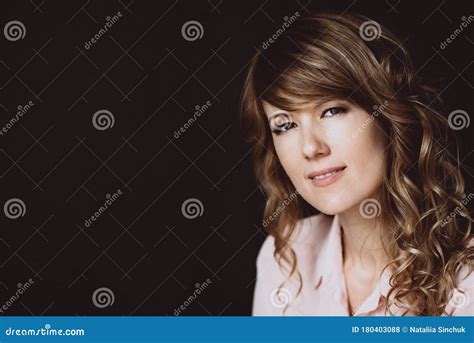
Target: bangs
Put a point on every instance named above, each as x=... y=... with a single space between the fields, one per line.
x=316 y=60
x=292 y=80
x=295 y=88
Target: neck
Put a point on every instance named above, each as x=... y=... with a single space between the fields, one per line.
x=361 y=241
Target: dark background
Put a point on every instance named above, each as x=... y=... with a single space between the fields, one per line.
x=151 y=79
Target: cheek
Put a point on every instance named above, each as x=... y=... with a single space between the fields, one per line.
x=367 y=157
x=288 y=153
x=372 y=149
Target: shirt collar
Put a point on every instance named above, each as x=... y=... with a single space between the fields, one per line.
x=330 y=271
x=329 y=264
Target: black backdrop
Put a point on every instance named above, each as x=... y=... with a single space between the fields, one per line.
x=150 y=79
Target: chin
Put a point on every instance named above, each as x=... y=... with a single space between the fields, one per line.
x=331 y=206
x=330 y=210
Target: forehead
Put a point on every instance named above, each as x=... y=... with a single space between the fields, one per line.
x=269 y=109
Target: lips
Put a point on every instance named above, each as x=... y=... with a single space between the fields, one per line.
x=320 y=174
x=325 y=177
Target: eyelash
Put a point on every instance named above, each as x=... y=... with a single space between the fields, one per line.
x=280 y=131
x=340 y=109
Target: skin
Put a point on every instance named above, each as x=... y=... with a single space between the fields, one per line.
x=314 y=139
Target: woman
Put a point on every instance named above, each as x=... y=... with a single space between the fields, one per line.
x=341 y=125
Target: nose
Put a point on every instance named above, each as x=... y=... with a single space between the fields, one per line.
x=312 y=143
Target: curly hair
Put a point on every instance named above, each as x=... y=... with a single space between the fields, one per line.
x=325 y=56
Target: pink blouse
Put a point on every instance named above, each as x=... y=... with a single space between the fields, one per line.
x=317 y=244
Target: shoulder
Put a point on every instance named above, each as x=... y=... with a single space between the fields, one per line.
x=308 y=236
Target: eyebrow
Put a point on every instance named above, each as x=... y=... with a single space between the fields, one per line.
x=278 y=112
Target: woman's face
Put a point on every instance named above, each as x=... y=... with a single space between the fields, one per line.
x=333 y=152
